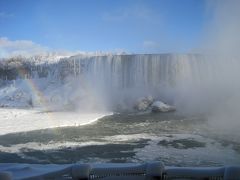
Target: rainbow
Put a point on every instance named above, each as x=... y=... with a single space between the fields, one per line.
x=37 y=94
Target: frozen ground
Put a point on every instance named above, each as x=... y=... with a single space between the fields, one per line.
x=20 y=120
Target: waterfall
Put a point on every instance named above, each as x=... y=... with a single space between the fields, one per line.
x=111 y=80
x=118 y=78
x=121 y=79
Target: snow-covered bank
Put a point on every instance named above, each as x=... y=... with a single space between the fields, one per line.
x=21 y=120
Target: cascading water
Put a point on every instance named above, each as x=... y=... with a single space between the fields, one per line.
x=190 y=81
x=121 y=79
x=127 y=77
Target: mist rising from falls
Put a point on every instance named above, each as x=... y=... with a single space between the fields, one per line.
x=120 y=80
x=192 y=82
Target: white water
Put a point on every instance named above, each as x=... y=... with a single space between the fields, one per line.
x=196 y=82
x=184 y=80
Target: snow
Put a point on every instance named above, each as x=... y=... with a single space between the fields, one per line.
x=160 y=104
x=11 y=96
x=40 y=103
x=21 y=120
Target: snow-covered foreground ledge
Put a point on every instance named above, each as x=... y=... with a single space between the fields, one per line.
x=154 y=170
x=21 y=120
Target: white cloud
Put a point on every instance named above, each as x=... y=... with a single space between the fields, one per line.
x=10 y=48
x=4 y=15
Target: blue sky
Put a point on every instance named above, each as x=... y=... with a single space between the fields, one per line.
x=135 y=26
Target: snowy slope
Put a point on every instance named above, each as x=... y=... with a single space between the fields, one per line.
x=20 y=120
x=32 y=104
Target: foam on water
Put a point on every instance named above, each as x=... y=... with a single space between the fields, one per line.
x=173 y=149
x=209 y=151
x=31 y=146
